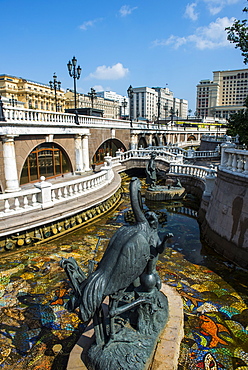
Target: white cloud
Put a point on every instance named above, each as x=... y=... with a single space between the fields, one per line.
x=88 y=24
x=98 y=87
x=126 y=10
x=215 y=6
x=190 y=12
x=210 y=37
x=116 y=72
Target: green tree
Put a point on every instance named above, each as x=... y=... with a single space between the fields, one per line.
x=238 y=34
x=238 y=124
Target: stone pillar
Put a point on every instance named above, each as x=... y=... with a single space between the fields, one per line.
x=9 y=162
x=79 y=153
x=45 y=195
x=134 y=142
x=209 y=183
x=85 y=152
x=160 y=137
x=224 y=155
x=150 y=140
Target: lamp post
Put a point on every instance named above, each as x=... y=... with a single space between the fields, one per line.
x=172 y=114
x=75 y=73
x=12 y=101
x=130 y=95
x=56 y=86
x=2 y=118
x=124 y=104
x=92 y=95
x=159 y=106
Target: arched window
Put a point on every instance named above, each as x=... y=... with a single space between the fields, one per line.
x=48 y=160
x=108 y=147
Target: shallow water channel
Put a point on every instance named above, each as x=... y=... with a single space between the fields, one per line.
x=36 y=332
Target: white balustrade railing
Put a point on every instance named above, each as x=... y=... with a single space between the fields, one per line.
x=144 y=153
x=194 y=171
x=21 y=116
x=45 y=195
x=28 y=116
x=234 y=161
x=163 y=151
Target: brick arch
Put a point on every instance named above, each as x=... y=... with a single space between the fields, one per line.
x=191 y=137
x=99 y=136
x=56 y=168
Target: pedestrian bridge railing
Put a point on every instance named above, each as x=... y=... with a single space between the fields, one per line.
x=177 y=150
x=234 y=161
x=44 y=194
x=145 y=154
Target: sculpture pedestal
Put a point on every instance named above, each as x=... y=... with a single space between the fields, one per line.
x=166 y=353
x=165 y=194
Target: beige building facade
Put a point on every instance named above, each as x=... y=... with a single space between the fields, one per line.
x=33 y=94
x=222 y=96
x=109 y=107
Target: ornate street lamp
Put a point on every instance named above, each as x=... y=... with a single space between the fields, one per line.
x=124 y=104
x=12 y=101
x=172 y=112
x=2 y=118
x=159 y=105
x=56 y=85
x=130 y=95
x=75 y=73
x=92 y=95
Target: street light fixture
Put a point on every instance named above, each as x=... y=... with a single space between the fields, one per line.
x=12 y=101
x=56 y=85
x=130 y=95
x=92 y=95
x=75 y=73
x=124 y=104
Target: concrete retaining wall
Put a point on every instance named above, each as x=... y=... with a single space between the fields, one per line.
x=224 y=217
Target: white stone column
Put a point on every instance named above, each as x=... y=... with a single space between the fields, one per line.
x=134 y=142
x=9 y=162
x=85 y=151
x=79 y=153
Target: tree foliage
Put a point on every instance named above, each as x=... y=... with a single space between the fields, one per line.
x=238 y=34
x=238 y=124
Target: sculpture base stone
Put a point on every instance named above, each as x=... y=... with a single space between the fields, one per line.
x=167 y=346
x=136 y=335
x=165 y=194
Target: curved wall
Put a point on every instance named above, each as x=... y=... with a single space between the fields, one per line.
x=225 y=225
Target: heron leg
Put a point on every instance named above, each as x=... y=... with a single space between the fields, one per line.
x=98 y=326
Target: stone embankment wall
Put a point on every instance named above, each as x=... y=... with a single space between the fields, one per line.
x=224 y=217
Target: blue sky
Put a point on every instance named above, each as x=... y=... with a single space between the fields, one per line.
x=118 y=43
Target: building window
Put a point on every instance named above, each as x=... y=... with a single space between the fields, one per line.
x=47 y=160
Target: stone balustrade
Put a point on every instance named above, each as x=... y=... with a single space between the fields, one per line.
x=176 y=150
x=196 y=171
x=144 y=153
x=28 y=116
x=234 y=160
x=45 y=195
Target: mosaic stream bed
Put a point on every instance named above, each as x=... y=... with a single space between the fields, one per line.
x=36 y=332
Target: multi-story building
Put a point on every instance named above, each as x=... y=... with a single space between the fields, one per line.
x=224 y=95
x=33 y=94
x=156 y=103
x=122 y=100
x=110 y=108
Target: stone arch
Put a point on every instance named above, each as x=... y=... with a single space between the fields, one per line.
x=164 y=140
x=109 y=146
x=155 y=141
x=47 y=159
x=191 y=138
x=142 y=142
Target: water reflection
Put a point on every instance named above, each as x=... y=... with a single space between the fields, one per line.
x=37 y=333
